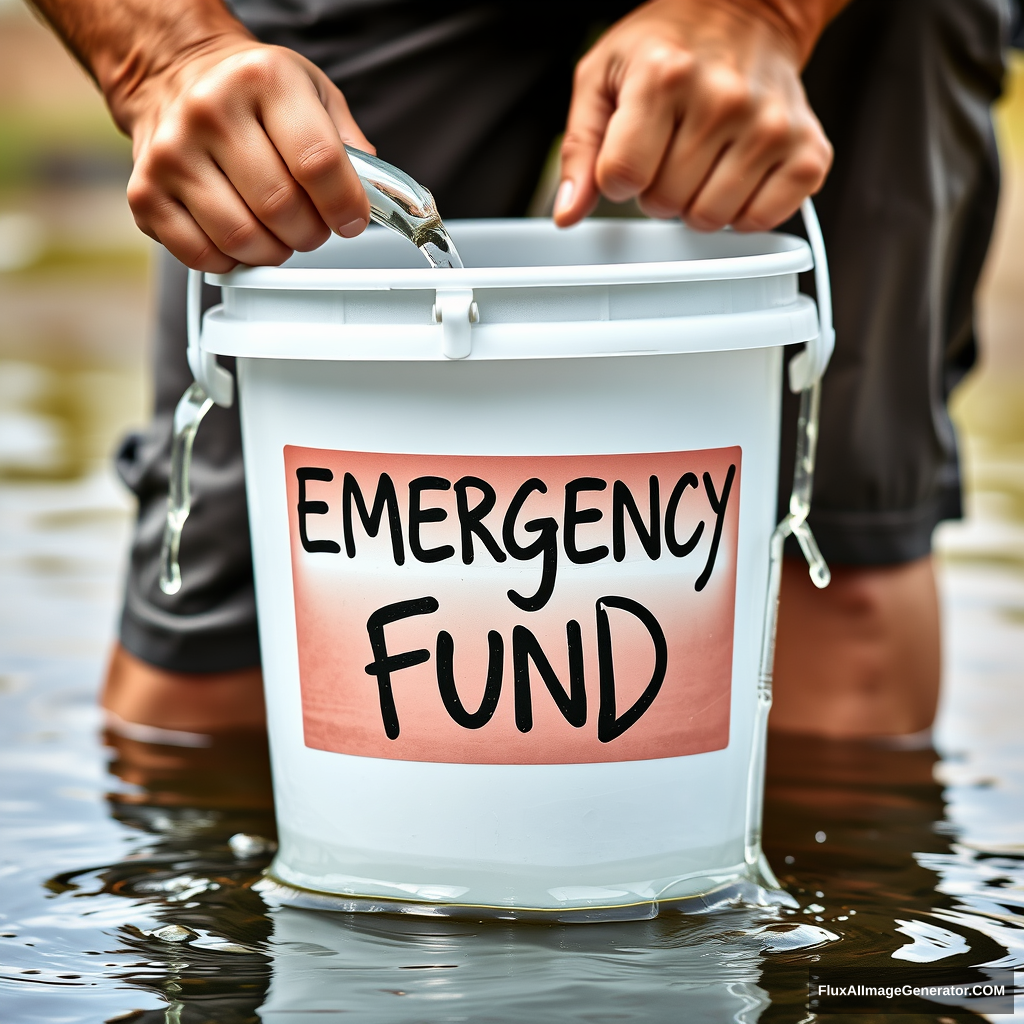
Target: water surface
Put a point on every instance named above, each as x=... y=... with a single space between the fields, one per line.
x=120 y=893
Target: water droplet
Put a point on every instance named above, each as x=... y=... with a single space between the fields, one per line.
x=245 y=846
x=173 y=933
x=820 y=837
x=782 y=938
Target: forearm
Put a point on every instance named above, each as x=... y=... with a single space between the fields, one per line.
x=124 y=43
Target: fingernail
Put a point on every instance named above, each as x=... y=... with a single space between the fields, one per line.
x=353 y=228
x=563 y=198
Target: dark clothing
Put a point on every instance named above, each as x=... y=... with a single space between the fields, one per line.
x=903 y=91
x=467 y=97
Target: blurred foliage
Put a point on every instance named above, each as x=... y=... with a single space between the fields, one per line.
x=54 y=149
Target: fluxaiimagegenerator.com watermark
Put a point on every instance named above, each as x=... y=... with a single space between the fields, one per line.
x=926 y=990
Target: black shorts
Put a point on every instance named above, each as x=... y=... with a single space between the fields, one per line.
x=468 y=98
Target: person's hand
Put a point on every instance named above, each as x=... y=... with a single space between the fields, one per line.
x=239 y=156
x=696 y=108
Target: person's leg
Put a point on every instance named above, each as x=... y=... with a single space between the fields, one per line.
x=904 y=92
x=139 y=693
x=865 y=661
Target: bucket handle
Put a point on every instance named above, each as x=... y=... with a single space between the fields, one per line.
x=805 y=372
x=809 y=365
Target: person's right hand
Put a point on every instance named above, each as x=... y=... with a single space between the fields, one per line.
x=239 y=156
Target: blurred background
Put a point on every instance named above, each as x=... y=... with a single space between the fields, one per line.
x=73 y=266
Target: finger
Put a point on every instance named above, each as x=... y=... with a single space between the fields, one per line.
x=764 y=144
x=221 y=213
x=639 y=132
x=782 y=192
x=733 y=182
x=687 y=165
x=589 y=112
x=303 y=132
x=712 y=122
x=254 y=167
x=168 y=222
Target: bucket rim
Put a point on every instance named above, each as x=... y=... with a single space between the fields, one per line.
x=779 y=254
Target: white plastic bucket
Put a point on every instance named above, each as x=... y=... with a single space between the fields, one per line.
x=506 y=665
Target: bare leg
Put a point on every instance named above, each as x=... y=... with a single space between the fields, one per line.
x=860 y=658
x=141 y=694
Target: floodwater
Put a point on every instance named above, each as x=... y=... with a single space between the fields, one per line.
x=123 y=897
x=120 y=893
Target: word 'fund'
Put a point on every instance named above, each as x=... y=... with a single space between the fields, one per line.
x=475 y=501
x=526 y=650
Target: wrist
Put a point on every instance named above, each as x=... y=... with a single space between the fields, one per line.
x=135 y=74
x=800 y=22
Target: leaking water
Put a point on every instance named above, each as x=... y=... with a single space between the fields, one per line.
x=397 y=202
x=188 y=414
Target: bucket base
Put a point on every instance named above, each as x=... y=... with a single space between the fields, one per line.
x=734 y=892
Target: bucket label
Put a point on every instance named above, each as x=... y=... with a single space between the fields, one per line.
x=514 y=609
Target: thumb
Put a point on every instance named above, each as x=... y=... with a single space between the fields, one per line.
x=589 y=114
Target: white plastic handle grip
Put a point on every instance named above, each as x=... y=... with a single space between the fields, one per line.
x=807 y=367
x=208 y=373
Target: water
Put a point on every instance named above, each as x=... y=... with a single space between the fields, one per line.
x=188 y=414
x=124 y=888
x=397 y=202
x=402 y=204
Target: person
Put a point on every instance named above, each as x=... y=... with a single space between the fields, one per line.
x=720 y=112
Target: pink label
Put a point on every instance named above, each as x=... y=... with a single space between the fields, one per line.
x=514 y=610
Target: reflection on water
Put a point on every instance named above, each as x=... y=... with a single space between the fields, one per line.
x=122 y=893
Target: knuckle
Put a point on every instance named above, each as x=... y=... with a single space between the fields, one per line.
x=252 y=69
x=241 y=236
x=140 y=194
x=149 y=204
x=773 y=127
x=618 y=171
x=583 y=71
x=728 y=94
x=576 y=143
x=165 y=155
x=807 y=170
x=200 y=254
x=660 y=202
x=319 y=160
x=313 y=238
x=703 y=217
x=755 y=220
x=204 y=107
x=669 y=68
x=281 y=199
